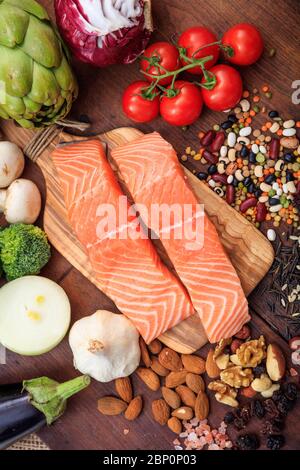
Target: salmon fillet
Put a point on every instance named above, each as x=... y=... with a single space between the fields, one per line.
x=129 y=271
x=152 y=173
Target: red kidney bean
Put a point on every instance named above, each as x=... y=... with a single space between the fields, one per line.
x=298 y=188
x=207 y=138
x=261 y=212
x=219 y=178
x=230 y=194
x=250 y=202
x=217 y=142
x=274 y=148
x=210 y=157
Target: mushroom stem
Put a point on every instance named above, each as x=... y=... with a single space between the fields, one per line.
x=3 y=193
x=95 y=346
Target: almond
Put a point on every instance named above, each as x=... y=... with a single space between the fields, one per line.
x=184 y=412
x=171 y=397
x=155 y=346
x=111 y=406
x=275 y=362
x=160 y=411
x=212 y=369
x=170 y=359
x=175 y=378
x=187 y=396
x=193 y=363
x=124 y=388
x=158 y=368
x=195 y=382
x=175 y=425
x=201 y=406
x=144 y=353
x=149 y=377
x=134 y=408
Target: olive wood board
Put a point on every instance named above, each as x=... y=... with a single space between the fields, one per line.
x=250 y=252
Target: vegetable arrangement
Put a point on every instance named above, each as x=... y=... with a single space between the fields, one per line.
x=219 y=87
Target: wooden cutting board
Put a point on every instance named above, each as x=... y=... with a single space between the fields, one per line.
x=250 y=252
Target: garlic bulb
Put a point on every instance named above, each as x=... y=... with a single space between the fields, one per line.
x=105 y=346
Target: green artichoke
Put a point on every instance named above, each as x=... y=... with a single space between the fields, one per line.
x=37 y=85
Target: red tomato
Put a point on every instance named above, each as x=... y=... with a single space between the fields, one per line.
x=247 y=43
x=136 y=106
x=194 y=38
x=227 y=91
x=167 y=55
x=184 y=108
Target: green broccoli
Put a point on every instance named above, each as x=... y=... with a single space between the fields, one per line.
x=24 y=250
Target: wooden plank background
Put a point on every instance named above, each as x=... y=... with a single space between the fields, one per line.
x=100 y=99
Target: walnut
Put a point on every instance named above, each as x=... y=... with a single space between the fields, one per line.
x=251 y=353
x=226 y=400
x=219 y=349
x=224 y=393
x=219 y=386
x=237 y=376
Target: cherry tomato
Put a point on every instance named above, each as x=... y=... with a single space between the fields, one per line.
x=195 y=38
x=138 y=107
x=184 y=108
x=167 y=56
x=247 y=43
x=227 y=91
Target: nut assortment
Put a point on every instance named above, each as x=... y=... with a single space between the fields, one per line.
x=238 y=367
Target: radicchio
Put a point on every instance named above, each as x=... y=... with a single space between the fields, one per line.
x=105 y=32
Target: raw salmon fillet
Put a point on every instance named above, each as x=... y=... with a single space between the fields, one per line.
x=152 y=173
x=129 y=270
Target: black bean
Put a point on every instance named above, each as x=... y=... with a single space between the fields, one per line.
x=273 y=114
x=226 y=125
x=201 y=175
x=232 y=118
x=257 y=193
x=273 y=201
x=289 y=176
x=289 y=157
x=251 y=188
x=247 y=181
x=252 y=157
x=235 y=182
x=212 y=169
x=270 y=179
x=244 y=152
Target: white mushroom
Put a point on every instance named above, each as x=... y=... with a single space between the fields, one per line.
x=11 y=163
x=21 y=202
x=105 y=346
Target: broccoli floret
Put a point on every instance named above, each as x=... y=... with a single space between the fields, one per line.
x=24 y=250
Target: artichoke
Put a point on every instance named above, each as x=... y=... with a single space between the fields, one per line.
x=37 y=85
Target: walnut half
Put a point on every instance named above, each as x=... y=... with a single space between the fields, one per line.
x=224 y=393
x=251 y=353
x=237 y=376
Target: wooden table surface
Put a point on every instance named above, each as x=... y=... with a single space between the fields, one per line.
x=100 y=98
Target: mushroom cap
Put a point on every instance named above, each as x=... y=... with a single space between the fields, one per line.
x=12 y=163
x=105 y=346
x=23 y=202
